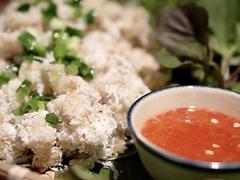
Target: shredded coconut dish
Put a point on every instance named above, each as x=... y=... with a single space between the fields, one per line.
x=69 y=71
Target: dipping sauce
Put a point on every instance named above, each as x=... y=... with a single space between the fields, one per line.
x=195 y=133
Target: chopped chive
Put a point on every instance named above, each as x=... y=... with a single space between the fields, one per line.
x=85 y=71
x=35 y=95
x=35 y=102
x=51 y=11
x=77 y=66
x=24 y=90
x=73 y=32
x=52 y=119
x=90 y=17
x=9 y=73
x=77 y=13
x=74 y=3
x=23 y=7
x=30 y=44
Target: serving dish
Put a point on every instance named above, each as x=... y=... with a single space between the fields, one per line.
x=164 y=165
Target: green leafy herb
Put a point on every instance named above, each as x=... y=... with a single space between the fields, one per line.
x=224 y=23
x=52 y=119
x=23 y=7
x=90 y=17
x=9 y=73
x=73 y=32
x=187 y=35
x=30 y=44
x=74 y=3
x=168 y=60
x=51 y=11
x=24 y=89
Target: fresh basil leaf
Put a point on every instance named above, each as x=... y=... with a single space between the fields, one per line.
x=168 y=60
x=183 y=30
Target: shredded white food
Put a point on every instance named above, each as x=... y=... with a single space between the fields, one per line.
x=92 y=113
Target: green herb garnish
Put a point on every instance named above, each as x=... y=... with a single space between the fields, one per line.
x=30 y=44
x=35 y=102
x=60 y=48
x=50 y=12
x=76 y=66
x=23 y=7
x=9 y=73
x=74 y=3
x=90 y=17
x=52 y=119
x=24 y=90
x=73 y=32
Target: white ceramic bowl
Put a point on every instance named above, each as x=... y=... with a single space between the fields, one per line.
x=165 y=165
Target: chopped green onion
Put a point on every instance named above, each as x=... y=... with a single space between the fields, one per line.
x=74 y=3
x=77 y=66
x=25 y=108
x=73 y=32
x=90 y=17
x=35 y=95
x=85 y=71
x=23 y=7
x=52 y=119
x=24 y=90
x=50 y=12
x=30 y=44
x=77 y=13
x=35 y=102
x=60 y=44
x=9 y=73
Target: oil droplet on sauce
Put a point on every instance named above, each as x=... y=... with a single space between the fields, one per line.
x=196 y=133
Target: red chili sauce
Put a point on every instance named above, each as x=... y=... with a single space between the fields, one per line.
x=196 y=133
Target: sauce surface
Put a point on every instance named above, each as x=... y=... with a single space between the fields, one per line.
x=196 y=133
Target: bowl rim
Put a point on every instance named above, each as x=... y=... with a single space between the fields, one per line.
x=168 y=156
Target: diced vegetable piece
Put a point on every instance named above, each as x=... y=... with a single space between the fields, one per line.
x=90 y=17
x=50 y=12
x=52 y=119
x=9 y=73
x=30 y=44
x=23 y=7
x=73 y=32
x=24 y=90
